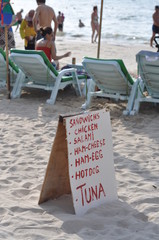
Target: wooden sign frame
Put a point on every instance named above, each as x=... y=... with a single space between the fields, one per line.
x=56 y=182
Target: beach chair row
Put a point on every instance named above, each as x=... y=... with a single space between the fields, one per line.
x=114 y=81
x=39 y=73
x=32 y=69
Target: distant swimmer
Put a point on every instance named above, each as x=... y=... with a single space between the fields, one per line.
x=155 y=26
x=94 y=24
x=81 y=24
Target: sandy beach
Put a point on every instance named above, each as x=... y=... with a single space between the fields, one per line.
x=27 y=130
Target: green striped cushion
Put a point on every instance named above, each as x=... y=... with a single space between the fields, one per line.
x=47 y=62
x=122 y=66
x=13 y=66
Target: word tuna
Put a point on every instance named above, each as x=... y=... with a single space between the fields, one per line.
x=92 y=193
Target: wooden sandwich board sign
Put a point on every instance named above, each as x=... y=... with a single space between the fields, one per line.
x=81 y=161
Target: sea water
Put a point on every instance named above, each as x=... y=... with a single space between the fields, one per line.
x=124 y=21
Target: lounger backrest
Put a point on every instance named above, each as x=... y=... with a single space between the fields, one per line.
x=35 y=65
x=12 y=65
x=148 y=67
x=3 y=73
x=109 y=75
x=37 y=52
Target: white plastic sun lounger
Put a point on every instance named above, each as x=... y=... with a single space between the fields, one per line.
x=148 y=68
x=113 y=80
x=41 y=74
x=15 y=72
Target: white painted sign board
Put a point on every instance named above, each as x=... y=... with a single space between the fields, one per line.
x=90 y=156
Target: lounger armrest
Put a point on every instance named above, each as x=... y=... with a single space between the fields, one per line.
x=64 y=71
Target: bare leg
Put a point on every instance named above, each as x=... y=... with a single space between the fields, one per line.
x=152 y=38
x=93 y=32
x=97 y=29
x=96 y=37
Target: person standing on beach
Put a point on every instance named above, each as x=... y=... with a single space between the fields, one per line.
x=63 y=18
x=43 y=17
x=60 y=21
x=94 y=24
x=27 y=31
x=155 y=26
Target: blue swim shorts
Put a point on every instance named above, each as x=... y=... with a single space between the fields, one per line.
x=155 y=29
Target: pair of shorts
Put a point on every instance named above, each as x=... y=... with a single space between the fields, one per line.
x=11 y=41
x=155 y=29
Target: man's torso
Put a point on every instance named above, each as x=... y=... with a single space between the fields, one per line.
x=46 y=15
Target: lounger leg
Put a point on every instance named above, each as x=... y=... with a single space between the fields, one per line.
x=76 y=84
x=57 y=85
x=2 y=84
x=54 y=91
x=17 y=88
x=91 y=88
x=131 y=99
x=137 y=100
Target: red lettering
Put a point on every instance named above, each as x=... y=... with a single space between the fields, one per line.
x=97 y=169
x=78 y=175
x=101 y=190
x=93 y=156
x=88 y=172
x=90 y=146
x=72 y=122
x=82 y=160
x=88 y=200
x=82 y=173
x=77 y=162
x=94 y=192
x=91 y=194
x=81 y=187
x=88 y=118
x=79 y=150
